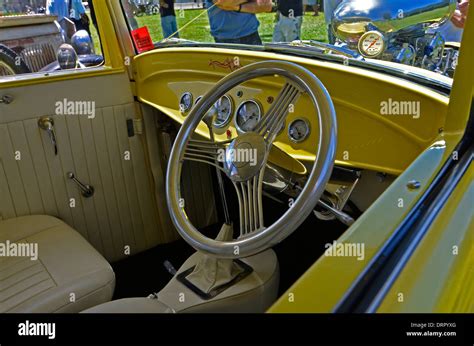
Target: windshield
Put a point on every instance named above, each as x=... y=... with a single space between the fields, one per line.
x=228 y=21
x=423 y=34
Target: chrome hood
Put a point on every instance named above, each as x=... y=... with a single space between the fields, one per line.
x=351 y=17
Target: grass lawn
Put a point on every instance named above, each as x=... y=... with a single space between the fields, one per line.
x=313 y=27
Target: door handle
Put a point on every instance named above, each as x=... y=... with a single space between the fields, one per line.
x=47 y=124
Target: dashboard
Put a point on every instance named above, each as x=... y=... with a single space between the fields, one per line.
x=366 y=139
x=239 y=110
x=235 y=112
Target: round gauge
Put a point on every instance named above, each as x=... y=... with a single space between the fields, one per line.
x=248 y=115
x=371 y=44
x=185 y=102
x=298 y=130
x=224 y=107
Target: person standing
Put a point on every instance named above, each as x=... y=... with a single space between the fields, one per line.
x=72 y=9
x=92 y=13
x=290 y=18
x=452 y=29
x=234 y=21
x=58 y=8
x=314 y=5
x=168 y=19
x=329 y=8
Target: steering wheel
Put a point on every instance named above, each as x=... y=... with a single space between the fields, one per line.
x=247 y=175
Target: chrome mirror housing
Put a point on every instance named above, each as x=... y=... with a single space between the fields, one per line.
x=351 y=17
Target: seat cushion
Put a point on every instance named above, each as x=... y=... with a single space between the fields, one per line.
x=68 y=275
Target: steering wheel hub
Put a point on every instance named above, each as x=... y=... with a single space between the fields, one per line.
x=243 y=160
x=245 y=156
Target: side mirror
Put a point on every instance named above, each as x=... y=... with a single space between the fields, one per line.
x=67 y=57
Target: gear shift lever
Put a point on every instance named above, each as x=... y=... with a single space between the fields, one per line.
x=211 y=272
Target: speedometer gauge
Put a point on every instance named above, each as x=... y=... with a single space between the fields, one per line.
x=248 y=116
x=224 y=107
x=371 y=44
x=185 y=102
x=298 y=130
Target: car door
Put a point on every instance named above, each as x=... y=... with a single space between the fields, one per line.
x=84 y=122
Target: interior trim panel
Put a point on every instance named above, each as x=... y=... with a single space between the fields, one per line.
x=122 y=212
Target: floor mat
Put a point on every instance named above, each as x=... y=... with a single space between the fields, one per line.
x=297 y=253
x=144 y=273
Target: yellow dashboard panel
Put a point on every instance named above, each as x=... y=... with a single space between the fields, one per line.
x=368 y=137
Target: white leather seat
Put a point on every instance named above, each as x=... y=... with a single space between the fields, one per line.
x=68 y=276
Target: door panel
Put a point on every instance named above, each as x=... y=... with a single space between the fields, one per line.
x=122 y=212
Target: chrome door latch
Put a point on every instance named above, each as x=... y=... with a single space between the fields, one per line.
x=6 y=99
x=86 y=190
x=47 y=124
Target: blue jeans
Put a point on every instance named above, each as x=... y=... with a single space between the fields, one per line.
x=250 y=39
x=169 y=26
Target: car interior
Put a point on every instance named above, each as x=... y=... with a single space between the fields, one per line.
x=132 y=208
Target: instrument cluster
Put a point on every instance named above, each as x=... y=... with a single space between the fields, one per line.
x=245 y=116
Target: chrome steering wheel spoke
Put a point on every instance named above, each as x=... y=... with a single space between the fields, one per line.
x=247 y=175
x=249 y=192
x=205 y=151
x=274 y=119
x=249 y=195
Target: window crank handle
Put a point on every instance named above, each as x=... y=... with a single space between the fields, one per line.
x=86 y=190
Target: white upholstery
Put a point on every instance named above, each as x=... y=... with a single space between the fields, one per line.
x=68 y=276
x=123 y=211
x=132 y=305
x=255 y=293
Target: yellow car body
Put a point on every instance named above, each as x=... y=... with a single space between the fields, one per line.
x=438 y=276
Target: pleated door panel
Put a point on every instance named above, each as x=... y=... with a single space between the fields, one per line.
x=121 y=217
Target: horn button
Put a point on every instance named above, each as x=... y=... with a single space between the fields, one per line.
x=244 y=157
